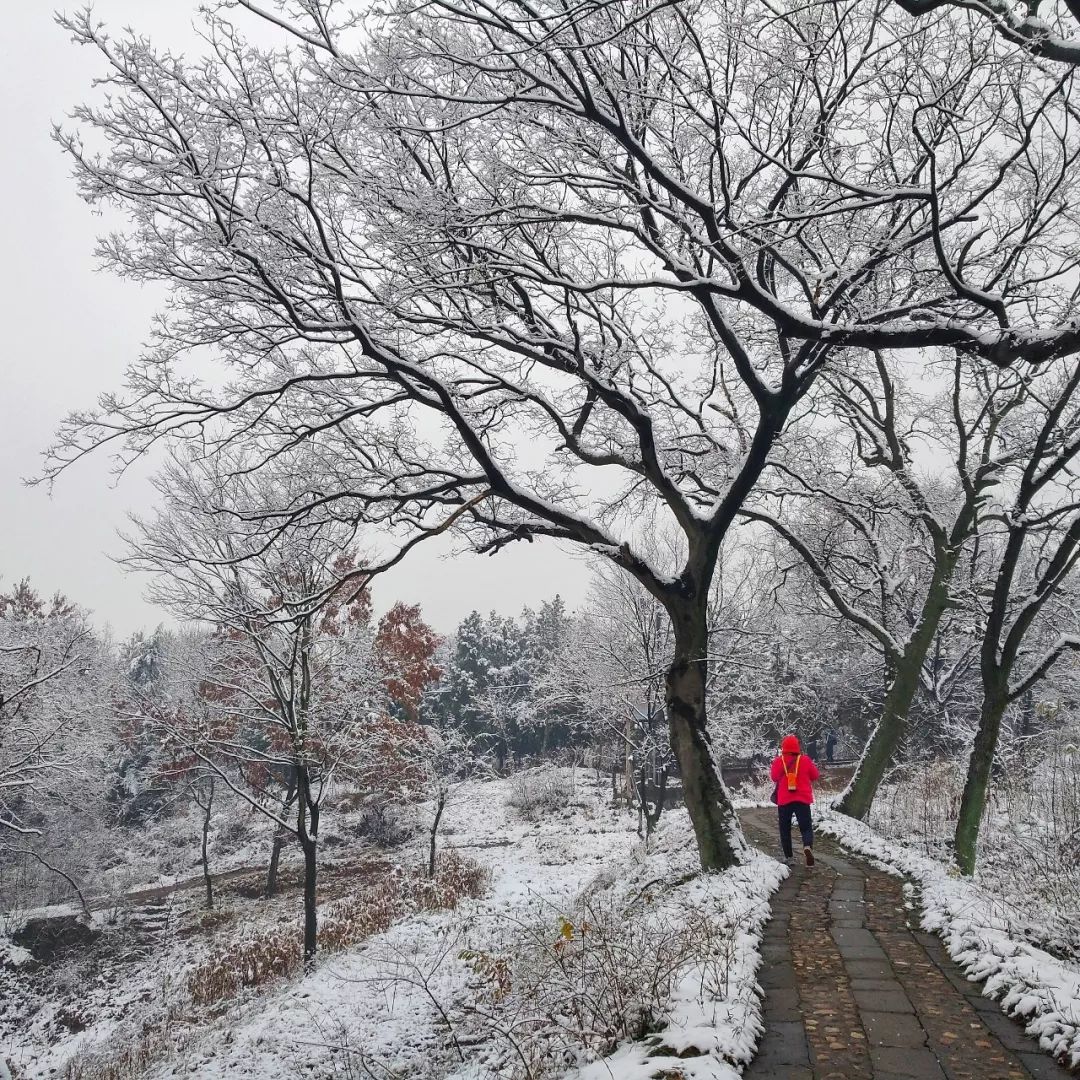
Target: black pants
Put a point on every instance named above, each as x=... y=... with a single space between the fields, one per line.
x=801 y=811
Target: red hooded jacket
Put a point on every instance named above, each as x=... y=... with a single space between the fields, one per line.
x=806 y=774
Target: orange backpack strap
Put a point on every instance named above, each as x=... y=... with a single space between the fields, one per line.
x=793 y=776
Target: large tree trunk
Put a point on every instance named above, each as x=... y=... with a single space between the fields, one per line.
x=886 y=738
x=891 y=728
x=716 y=827
x=980 y=765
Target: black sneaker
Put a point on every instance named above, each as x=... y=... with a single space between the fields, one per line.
x=809 y=853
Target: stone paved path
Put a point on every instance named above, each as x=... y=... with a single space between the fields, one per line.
x=853 y=989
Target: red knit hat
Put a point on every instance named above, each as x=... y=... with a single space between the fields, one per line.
x=790 y=745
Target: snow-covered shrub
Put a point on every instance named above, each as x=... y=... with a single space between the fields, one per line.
x=272 y=954
x=1029 y=848
x=571 y=988
x=919 y=802
x=535 y=793
x=385 y=824
x=456 y=878
x=757 y=787
x=126 y=1059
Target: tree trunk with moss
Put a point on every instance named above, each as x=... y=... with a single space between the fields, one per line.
x=977 y=783
x=707 y=801
x=890 y=730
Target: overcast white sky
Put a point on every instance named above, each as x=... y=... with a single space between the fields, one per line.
x=69 y=331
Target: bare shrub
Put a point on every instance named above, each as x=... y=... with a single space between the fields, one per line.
x=273 y=954
x=385 y=824
x=757 y=787
x=584 y=982
x=253 y=961
x=123 y=1062
x=536 y=793
x=918 y=804
x=456 y=878
x=1029 y=855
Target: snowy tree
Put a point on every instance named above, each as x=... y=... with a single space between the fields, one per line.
x=291 y=688
x=52 y=720
x=1031 y=549
x=1049 y=30
x=136 y=792
x=525 y=273
x=902 y=547
x=437 y=760
x=486 y=687
x=551 y=720
x=887 y=522
x=405 y=650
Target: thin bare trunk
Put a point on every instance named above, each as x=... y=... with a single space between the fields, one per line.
x=439 y=807
x=207 y=808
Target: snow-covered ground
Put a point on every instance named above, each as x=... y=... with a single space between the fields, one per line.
x=467 y=993
x=986 y=940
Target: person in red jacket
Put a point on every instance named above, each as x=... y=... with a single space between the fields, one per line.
x=795 y=774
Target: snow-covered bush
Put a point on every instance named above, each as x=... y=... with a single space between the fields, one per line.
x=582 y=983
x=536 y=793
x=757 y=787
x=272 y=953
x=1029 y=855
x=385 y=824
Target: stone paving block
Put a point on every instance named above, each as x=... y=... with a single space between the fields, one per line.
x=775 y=976
x=862 y=952
x=869 y=969
x=847 y=894
x=907 y=1061
x=893 y=1029
x=930 y=942
x=775 y=952
x=957 y=978
x=893 y=1000
x=1043 y=1067
x=843 y=868
x=879 y=1075
x=844 y=936
x=980 y=1003
x=781 y=1014
x=784 y=997
x=784 y=1044
x=875 y=984
x=787 y=1072
x=1008 y=1031
x=847 y=909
